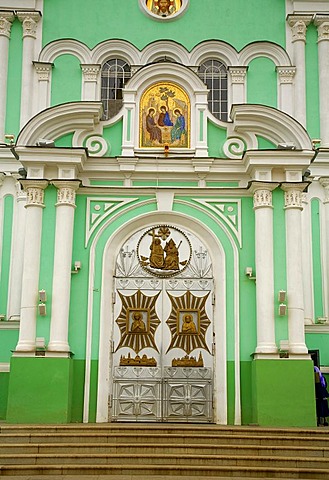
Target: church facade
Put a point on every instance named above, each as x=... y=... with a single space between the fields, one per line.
x=164 y=210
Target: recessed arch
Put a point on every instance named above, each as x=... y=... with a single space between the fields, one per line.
x=115 y=49
x=217 y=50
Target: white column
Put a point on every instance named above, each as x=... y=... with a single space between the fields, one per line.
x=17 y=256
x=31 y=266
x=43 y=71
x=264 y=269
x=65 y=207
x=307 y=261
x=238 y=84
x=129 y=121
x=324 y=181
x=6 y=19
x=322 y=22
x=293 y=214
x=90 y=74
x=299 y=25
x=29 y=21
x=285 y=98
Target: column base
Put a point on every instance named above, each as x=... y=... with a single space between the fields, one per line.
x=58 y=347
x=25 y=347
x=283 y=393
x=298 y=349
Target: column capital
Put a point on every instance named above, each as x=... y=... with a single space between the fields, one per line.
x=29 y=22
x=324 y=182
x=66 y=191
x=293 y=197
x=35 y=192
x=298 y=24
x=6 y=19
x=43 y=70
x=262 y=192
x=322 y=22
x=2 y=177
x=286 y=74
x=90 y=71
x=238 y=74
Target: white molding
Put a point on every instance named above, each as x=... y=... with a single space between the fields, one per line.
x=317 y=328
x=221 y=51
x=59 y=120
x=4 y=367
x=276 y=126
x=9 y=325
x=67 y=46
x=115 y=49
x=264 y=49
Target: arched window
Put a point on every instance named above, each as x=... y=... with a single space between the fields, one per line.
x=214 y=74
x=115 y=73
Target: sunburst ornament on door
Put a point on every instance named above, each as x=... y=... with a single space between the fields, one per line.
x=138 y=321
x=188 y=322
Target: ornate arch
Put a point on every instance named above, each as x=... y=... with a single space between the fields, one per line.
x=164 y=48
x=115 y=48
x=67 y=46
x=214 y=49
x=273 y=124
x=264 y=49
x=56 y=121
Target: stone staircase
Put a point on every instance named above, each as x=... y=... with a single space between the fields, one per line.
x=144 y=451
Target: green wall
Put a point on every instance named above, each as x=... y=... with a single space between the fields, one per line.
x=224 y=22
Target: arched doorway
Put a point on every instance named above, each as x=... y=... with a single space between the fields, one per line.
x=162 y=366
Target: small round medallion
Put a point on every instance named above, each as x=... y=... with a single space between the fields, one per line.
x=164 y=251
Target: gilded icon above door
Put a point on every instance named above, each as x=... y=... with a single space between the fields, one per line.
x=164 y=117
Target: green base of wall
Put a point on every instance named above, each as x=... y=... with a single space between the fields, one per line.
x=40 y=390
x=283 y=393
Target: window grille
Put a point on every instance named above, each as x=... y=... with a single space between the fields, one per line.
x=115 y=74
x=214 y=74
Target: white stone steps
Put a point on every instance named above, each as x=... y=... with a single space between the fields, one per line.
x=165 y=459
x=187 y=438
x=167 y=470
x=131 y=448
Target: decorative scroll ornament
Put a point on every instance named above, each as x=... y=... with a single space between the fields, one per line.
x=234 y=147
x=138 y=321
x=66 y=195
x=164 y=251
x=262 y=198
x=188 y=322
x=97 y=146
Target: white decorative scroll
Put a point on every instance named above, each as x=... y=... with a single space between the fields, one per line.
x=234 y=147
x=97 y=146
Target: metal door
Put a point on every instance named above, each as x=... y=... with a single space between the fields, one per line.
x=162 y=360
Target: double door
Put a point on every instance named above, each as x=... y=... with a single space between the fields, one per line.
x=162 y=360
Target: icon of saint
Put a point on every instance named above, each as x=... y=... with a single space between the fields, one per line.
x=138 y=325
x=157 y=253
x=163 y=8
x=179 y=128
x=188 y=324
